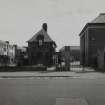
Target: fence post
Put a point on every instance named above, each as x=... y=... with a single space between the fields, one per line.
x=83 y=68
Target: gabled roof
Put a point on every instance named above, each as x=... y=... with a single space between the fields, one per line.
x=41 y=32
x=99 y=19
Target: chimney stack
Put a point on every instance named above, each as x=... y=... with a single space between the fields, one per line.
x=44 y=26
x=7 y=42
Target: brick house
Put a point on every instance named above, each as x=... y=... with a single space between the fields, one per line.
x=41 y=48
x=92 y=39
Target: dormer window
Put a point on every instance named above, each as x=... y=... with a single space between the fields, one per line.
x=40 y=42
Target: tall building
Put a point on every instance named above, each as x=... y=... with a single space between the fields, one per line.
x=41 y=48
x=92 y=39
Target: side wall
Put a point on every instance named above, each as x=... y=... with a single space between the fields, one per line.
x=96 y=42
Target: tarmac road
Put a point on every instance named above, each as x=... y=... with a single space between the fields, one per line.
x=46 y=91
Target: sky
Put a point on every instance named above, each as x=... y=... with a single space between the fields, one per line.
x=21 y=19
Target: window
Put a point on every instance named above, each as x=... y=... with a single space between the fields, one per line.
x=53 y=46
x=40 y=42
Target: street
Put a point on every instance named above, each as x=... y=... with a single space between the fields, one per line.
x=45 y=91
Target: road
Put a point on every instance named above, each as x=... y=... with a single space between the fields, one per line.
x=45 y=91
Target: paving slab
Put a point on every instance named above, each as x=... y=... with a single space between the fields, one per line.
x=71 y=101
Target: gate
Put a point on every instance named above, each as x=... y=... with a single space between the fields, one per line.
x=75 y=66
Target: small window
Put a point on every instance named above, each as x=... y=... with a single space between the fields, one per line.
x=40 y=42
x=53 y=46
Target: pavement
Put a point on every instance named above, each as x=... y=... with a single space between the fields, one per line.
x=75 y=87
x=52 y=91
x=90 y=74
x=71 y=101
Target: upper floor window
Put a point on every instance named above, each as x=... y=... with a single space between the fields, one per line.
x=53 y=46
x=40 y=42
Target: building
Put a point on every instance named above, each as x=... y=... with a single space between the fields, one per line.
x=73 y=52
x=41 y=48
x=21 y=56
x=92 y=39
x=7 y=53
x=69 y=54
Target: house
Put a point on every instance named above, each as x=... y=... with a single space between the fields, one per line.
x=73 y=52
x=21 y=56
x=7 y=53
x=41 y=48
x=92 y=39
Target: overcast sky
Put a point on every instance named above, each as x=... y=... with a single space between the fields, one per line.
x=21 y=19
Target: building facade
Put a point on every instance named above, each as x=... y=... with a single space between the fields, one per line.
x=41 y=48
x=72 y=52
x=92 y=39
x=21 y=56
x=7 y=53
